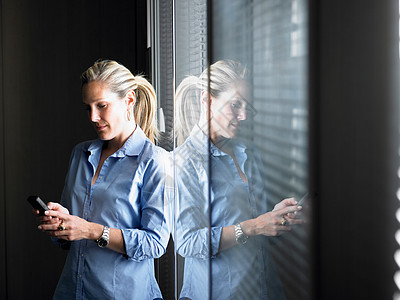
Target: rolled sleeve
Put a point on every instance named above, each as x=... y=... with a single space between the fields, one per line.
x=151 y=238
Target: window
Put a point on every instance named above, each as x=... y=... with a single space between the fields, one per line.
x=269 y=39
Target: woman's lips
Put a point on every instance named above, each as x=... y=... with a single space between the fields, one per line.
x=235 y=125
x=101 y=127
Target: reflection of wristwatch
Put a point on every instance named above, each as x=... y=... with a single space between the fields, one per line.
x=241 y=238
x=105 y=237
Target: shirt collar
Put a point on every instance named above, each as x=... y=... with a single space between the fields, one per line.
x=200 y=142
x=132 y=147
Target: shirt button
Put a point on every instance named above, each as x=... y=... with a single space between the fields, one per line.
x=82 y=254
x=80 y=275
x=101 y=177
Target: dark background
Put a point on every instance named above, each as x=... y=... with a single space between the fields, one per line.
x=354 y=113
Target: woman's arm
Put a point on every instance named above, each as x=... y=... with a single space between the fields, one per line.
x=192 y=223
x=268 y=224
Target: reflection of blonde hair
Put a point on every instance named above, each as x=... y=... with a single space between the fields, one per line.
x=187 y=113
x=120 y=81
x=223 y=75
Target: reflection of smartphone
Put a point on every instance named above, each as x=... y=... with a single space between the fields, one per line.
x=303 y=199
x=38 y=204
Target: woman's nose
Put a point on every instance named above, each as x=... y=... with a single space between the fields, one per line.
x=242 y=114
x=94 y=116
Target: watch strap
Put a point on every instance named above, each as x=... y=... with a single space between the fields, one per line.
x=241 y=238
x=105 y=237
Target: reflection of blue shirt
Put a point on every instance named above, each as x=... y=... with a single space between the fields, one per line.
x=243 y=271
x=127 y=195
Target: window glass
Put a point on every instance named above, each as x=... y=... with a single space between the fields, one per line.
x=241 y=149
x=270 y=39
x=196 y=242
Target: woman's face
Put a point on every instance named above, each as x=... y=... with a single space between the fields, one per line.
x=228 y=110
x=106 y=111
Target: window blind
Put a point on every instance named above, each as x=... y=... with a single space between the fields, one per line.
x=270 y=37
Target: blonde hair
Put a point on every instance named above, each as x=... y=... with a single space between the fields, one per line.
x=120 y=81
x=187 y=113
x=223 y=74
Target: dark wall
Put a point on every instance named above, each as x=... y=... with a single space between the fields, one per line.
x=355 y=109
x=45 y=46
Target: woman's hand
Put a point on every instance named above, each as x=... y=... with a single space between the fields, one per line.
x=292 y=218
x=69 y=227
x=49 y=219
x=275 y=222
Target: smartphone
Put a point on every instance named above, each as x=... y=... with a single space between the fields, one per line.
x=38 y=204
x=303 y=199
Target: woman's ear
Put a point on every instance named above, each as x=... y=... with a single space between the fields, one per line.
x=204 y=97
x=204 y=102
x=130 y=99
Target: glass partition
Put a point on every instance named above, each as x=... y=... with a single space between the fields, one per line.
x=194 y=238
x=241 y=150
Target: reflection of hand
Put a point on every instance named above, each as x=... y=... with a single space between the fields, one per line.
x=284 y=203
x=275 y=222
x=292 y=218
x=74 y=228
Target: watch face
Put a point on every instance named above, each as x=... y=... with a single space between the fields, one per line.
x=242 y=239
x=102 y=242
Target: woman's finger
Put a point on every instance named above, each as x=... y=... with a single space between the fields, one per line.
x=53 y=205
x=56 y=214
x=295 y=215
x=51 y=225
x=288 y=209
x=289 y=201
x=284 y=203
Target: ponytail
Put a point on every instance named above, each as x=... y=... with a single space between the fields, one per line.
x=145 y=108
x=187 y=108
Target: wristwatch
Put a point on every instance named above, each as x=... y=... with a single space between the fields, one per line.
x=105 y=238
x=241 y=238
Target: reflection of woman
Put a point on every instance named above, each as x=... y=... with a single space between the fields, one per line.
x=241 y=265
x=112 y=213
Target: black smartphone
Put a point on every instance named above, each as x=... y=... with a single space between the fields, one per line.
x=38 y=204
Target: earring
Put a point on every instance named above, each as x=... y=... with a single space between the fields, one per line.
x=128 y=115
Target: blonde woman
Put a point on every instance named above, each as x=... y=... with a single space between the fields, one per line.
x=222 y=203
x=112 y=217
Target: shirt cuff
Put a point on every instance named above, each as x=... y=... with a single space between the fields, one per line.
x=216 y=233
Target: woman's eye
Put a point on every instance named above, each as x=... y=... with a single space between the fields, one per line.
x=236 y=104
x=101 y=105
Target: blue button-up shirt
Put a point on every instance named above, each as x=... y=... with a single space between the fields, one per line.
x=127 y=195
x=243 y=271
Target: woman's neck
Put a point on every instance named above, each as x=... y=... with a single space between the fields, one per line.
x=223 y=144
x=115 y=144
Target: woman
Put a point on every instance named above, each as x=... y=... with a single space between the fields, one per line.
x=112 y=217
x=224 y=217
